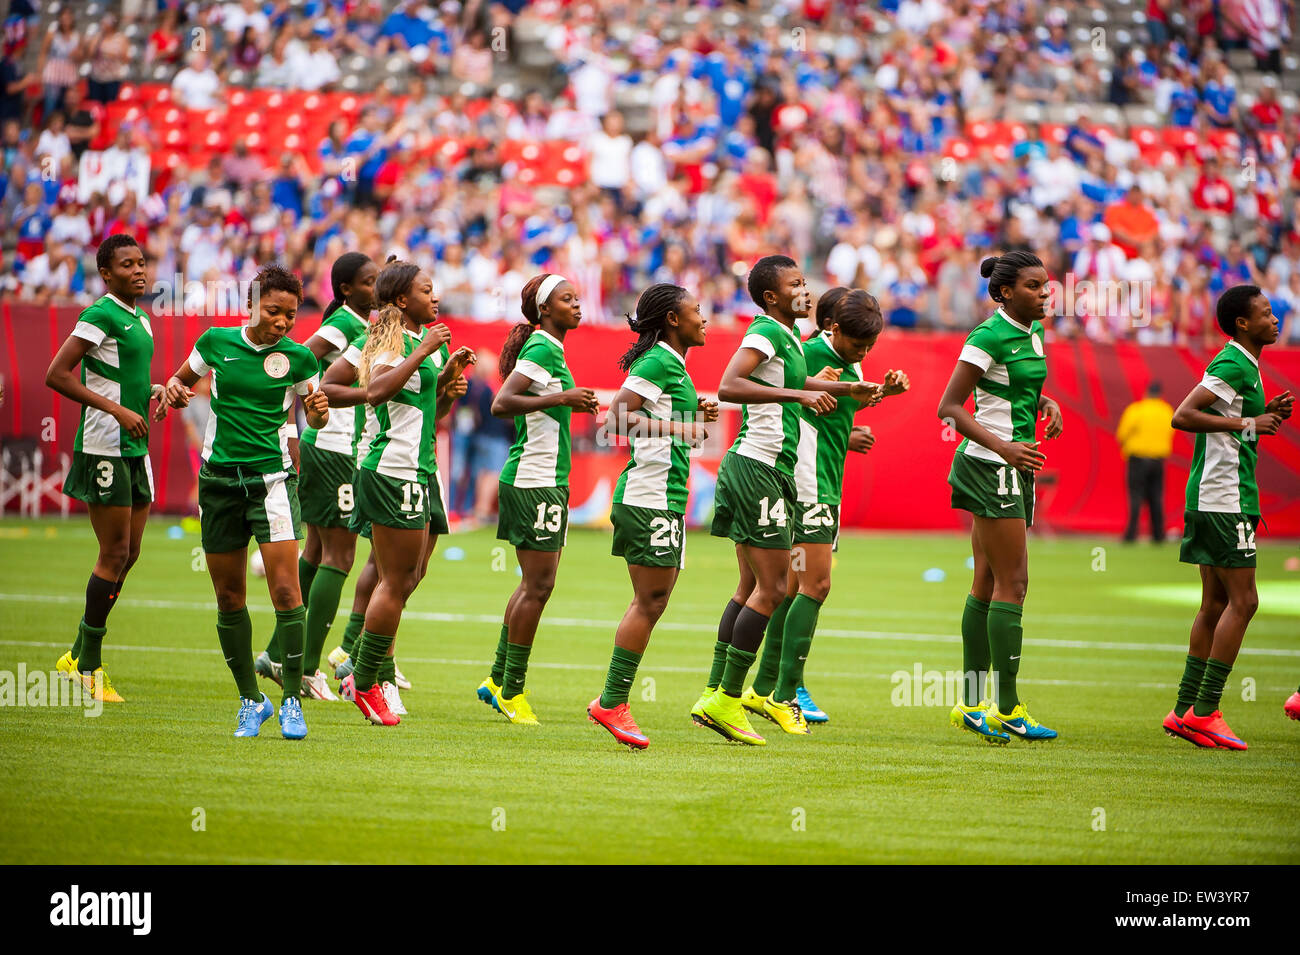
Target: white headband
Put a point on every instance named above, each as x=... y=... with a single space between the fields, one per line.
x=544 y=290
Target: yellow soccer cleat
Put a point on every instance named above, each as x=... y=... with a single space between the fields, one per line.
x=100 y=686
x=976 y=719
x=337 y=657
x=516 y=709
x=487 y=692
x=753 y=702
x=67 y=666
x=725 y=716
x=697 y=711
x=786 y=715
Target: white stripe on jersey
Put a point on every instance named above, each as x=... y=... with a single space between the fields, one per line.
x=1220 y=487
x=766 y=432
x=102 y=434
x=994 y=414
x=805 y=468
x=405 y=423
x=647 y=482
x=278 y=510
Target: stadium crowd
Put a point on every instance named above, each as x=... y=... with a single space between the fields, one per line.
x=711 y=135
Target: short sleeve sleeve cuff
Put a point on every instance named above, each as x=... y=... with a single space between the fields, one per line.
x=388 y=360
x=307 y=385
x=197 y=364
x=91 y=333
x=759 y=343
x=352 y=356
x=645 y=388
x=976 y=356
x=334 y=336
x=534 y=372
x=1219 y=387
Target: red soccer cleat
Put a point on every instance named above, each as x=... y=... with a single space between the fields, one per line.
x=619 y=722
x=1215 y=727
x=374 y=707
x=1174 y=726
x=1292 y=706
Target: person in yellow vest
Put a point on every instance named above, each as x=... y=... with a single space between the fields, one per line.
x=1146 y=437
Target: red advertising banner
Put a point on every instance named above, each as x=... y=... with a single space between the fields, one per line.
x=901 y=484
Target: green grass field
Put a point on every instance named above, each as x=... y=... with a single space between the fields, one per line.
x=456 y=783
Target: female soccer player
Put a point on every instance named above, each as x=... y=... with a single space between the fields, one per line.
x=326 y=462
x=754 y=501
x=663 y=418
x=405 y=369
x=533 y=503
x=1004 y=365
x=851 y=323
x=1227 y=413
x=113 y=343
x=247 y=484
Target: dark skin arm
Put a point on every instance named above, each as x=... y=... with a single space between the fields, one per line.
x=388 y=381
x=447 y=398
x=337 y=382
x=624 y=417
x=737 y=388
x=1192 y=416
x=952 y=408
x=63 y=378
x=512 y=399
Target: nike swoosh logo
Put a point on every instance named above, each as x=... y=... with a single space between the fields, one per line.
x=1014 y=728
x=770 y=534
x=231 y=358
x=546 y=538
x=1008 y=504
x=660 y=553
x=1014 y=350
x=1013 y=658
x=127 y=328
x=509 y=713
x=1251 y=554
x=978 y=724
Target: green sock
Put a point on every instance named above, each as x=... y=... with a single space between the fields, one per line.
x=322 y=607
x=738 y=664
x=306 y=575
x=388 y=671
x=367 y=657
x=974 y=649
x=81 y=639
x=719 y=663
x=498 y=673
x=91 y=640
x=769 y=662
x=1005 y=637
x=800 y=624
x=356 y=622
x=291 y=633
x=618 y=681
x=1189 y=685
x=516 y=671
x=235 y=633
x=1211 y=692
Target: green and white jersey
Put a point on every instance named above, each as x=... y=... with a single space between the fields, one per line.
x=1223 y=467
x=117 y=367
x=770 y=432
x=656 y=475
x=540 y=455
x=252 y=391
x=339 y=329
x=403 y=445
x=1006 y=396
x=364 y=423
x=824 y=439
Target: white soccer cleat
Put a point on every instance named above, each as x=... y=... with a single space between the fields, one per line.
x=393 y=697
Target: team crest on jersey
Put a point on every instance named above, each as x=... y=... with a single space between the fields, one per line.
x=277 y=364
x=1038 y=345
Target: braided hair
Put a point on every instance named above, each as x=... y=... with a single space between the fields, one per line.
x=1003 y=270
x=651 y=319
x=343 y=272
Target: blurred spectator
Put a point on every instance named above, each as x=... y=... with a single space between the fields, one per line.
x=13 y=85
x=59 y=60
x=110 y=57
x=197 y=85
x=480 y=443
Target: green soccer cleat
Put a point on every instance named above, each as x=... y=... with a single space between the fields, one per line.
x=725 y=716
x=975 y=719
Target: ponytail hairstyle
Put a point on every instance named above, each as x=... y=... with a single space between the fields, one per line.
x=273 y=278
x=651 y=319
x=386 y=337
x=519 y=333
x=826 y=307
x=857 y=313
x=1002 y=270
x=396 y=279
x=344 y=270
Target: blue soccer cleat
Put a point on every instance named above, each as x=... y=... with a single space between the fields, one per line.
x=1020 y=724
x=977 y=719
x=811 y=711
x=252 y=714
x=292 y=725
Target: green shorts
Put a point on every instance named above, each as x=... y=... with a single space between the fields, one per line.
x=754 y=503
x=1218 y=540
x=437 y=496
x=533 y=518
x=388 y=502
x=109 y=481
x=817 y=524
x=991 y=490
x=649 y=537
x=325 y=486
x=236 y=504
